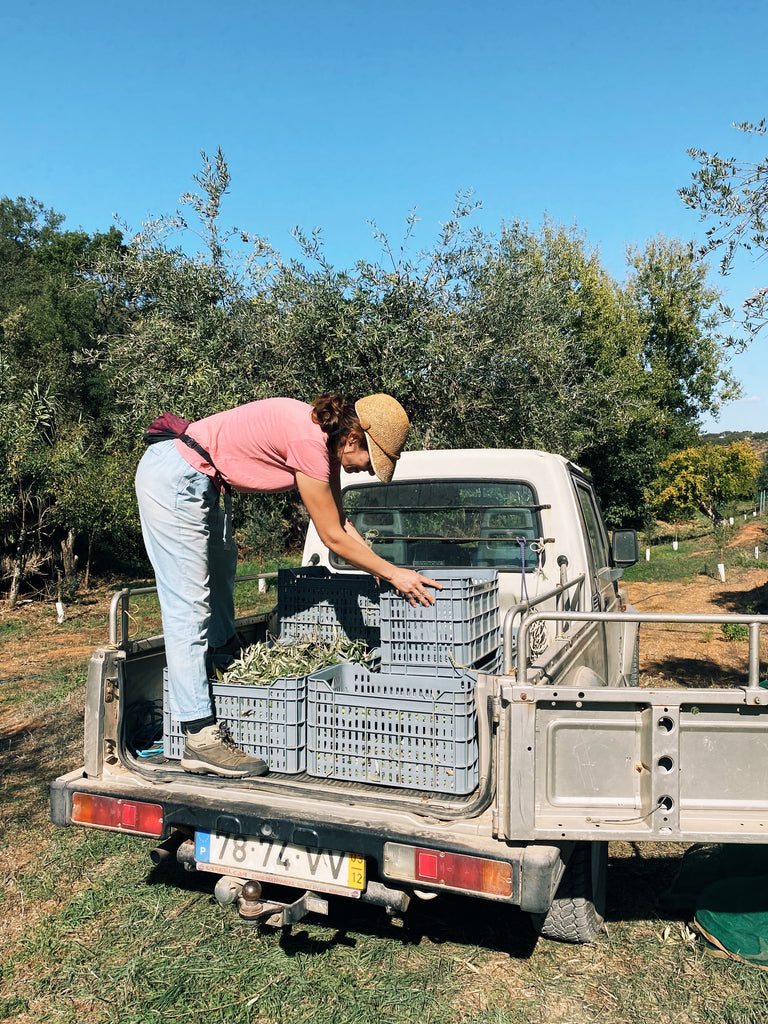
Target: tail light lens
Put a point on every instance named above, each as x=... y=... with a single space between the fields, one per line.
x=118 y=815
x=420 y=865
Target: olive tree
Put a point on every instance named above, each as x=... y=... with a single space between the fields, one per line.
x=520 y=339
x=674 y=369
x=732 y=196
x=50 y=400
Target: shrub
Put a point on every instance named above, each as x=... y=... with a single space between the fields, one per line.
x=734 y=631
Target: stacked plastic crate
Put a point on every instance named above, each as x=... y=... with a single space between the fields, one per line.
x=312 y=600
x=409 y=722
x=270 y=721
x=413 y=722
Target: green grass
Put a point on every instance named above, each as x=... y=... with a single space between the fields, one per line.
x=694 y=557
x=11 y=628
x=49 y=688
x=60 y=684
x=125 y=942
x=161 y=957
x=247 y=596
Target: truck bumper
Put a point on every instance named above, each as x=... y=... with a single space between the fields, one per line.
x=535 y=869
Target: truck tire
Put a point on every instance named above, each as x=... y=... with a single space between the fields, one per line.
x=576 y=913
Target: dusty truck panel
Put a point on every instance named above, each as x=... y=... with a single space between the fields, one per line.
x=666 y=764
x=568 y=751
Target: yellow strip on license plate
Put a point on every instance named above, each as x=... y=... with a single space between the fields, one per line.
x=330 y=871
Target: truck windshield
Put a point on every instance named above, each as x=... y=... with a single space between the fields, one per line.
x=448 y=522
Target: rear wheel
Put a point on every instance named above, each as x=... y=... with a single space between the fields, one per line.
x=576 y=913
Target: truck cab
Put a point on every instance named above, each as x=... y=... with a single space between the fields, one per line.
x=531 y=516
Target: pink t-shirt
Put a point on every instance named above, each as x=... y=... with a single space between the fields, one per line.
x=261 y=445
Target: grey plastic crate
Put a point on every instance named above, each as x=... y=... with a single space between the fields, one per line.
x=459 y=630
x=393 y=730
x=313 y=600
x=269 y=722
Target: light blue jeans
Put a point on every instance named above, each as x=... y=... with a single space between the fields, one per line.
x=188 y=537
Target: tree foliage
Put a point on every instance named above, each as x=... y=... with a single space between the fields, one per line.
x=519 y=339
x=49 y=402
x=732 y=195
x=705 y=479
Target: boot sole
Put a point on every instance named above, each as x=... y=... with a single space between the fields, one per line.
x=200 y=768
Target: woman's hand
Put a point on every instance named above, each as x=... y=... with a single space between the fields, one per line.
x=413 y=585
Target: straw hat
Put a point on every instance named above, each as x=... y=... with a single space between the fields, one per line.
x=386 y=424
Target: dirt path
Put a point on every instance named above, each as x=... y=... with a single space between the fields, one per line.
x=685 y=654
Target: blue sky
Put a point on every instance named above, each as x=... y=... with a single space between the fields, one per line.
x=334 y=113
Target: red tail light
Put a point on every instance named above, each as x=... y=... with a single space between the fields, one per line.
x=119 y=815
x=448 y=870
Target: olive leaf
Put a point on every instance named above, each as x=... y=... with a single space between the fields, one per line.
x=263 y=663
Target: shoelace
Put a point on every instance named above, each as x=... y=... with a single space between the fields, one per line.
x=223 y=733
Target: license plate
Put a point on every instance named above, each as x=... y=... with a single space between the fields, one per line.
x=270 y=860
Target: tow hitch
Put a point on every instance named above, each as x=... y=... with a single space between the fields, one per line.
x=246 y=894
x=251 y=907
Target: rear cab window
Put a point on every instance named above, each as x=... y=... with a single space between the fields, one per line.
x=452 y=523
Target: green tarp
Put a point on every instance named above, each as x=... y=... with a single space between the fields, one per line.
x=726 y=888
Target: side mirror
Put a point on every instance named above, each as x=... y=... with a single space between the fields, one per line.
x=624 y=547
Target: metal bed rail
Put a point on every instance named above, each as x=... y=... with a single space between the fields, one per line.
x=753 y=622
x=523 y=606
x=121 y=601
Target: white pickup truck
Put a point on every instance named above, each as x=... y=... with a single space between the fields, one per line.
x=569 y=752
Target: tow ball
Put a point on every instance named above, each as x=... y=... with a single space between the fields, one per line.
x=247 y=895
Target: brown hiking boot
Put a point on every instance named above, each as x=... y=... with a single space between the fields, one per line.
x=212 y=751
